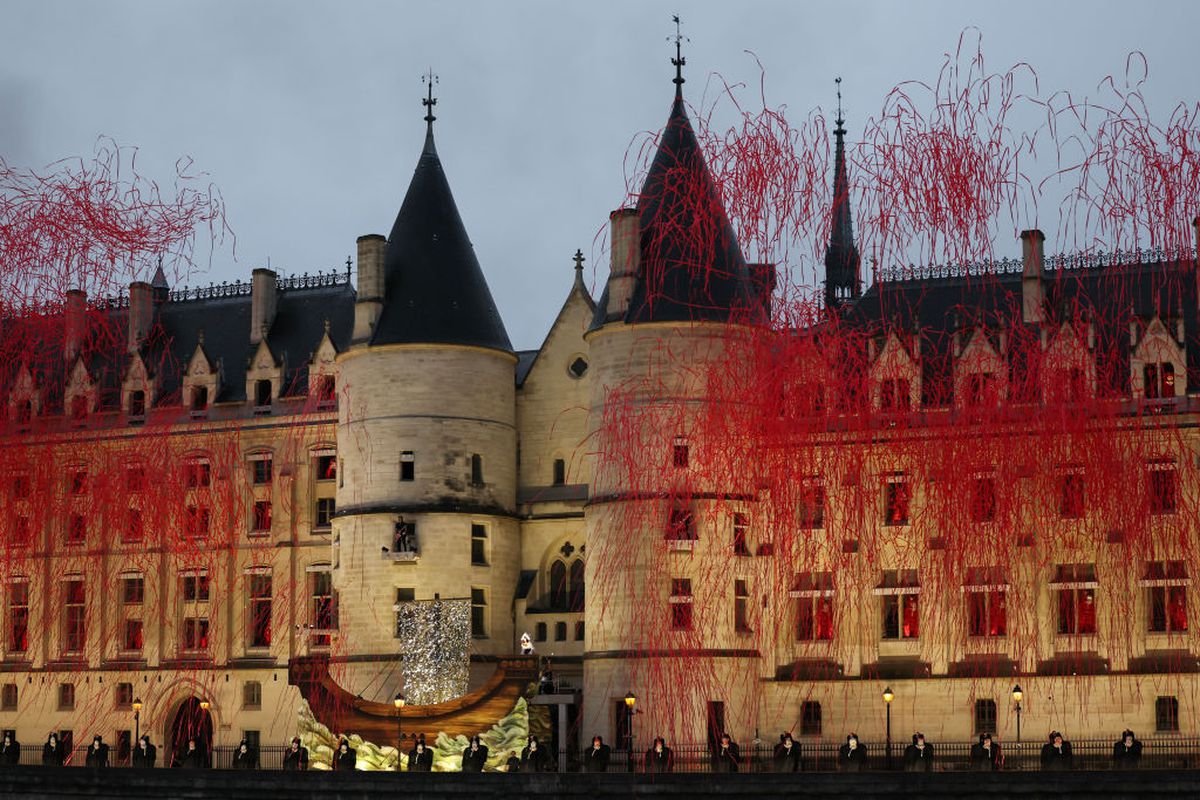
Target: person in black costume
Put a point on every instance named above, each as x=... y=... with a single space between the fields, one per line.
x=420 y=758
x=1127 y=753
x=918 y=756
x=596 y=758
x=985 y=754
x=726 y=757
x=97 y=754
x=787 y=754
x=145 y=754
x=533 y=757
x=54 y=753
x=659 y=758
x=10 y=751
x=475 y=756
x=245 y=757
x=346 y=758
x=514 y=762
x=1056 y=753
x=852 y=756
x=296 y=757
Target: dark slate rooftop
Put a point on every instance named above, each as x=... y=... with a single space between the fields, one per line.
x=434 y=289
x=691 y=267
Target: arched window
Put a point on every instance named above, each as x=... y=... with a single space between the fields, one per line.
x=558 y=586
x=577 y=585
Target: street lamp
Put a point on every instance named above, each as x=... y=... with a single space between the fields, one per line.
x=398 y=702
x=887 y=702
x=1017 y=694
x=137 y=716
x=630 y=702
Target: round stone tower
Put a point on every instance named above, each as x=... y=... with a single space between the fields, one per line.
x=659 y=517
x=426 y=443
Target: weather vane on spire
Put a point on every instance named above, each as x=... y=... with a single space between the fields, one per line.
x=838 y=81
x=429 y=79
x=678 y=60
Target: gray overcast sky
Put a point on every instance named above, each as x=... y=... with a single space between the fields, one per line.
x=307 y=117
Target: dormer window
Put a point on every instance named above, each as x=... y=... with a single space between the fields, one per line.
x=326 y=393
x=894 y=395
x=1159 y=380
x=137 y=405
x=981 y=389
x=199 y=400
x=262 y=396
x=79 y=408
x=24 y=412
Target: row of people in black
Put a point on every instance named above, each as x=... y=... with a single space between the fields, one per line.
x=145 y=755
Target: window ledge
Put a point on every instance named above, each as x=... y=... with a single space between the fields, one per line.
x=406 y=557
x=681 y=545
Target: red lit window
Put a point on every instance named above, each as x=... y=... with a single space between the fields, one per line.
x=131 y=639
x=894 y=395
x=1166 y=583
x=133 y=526
x=18 y=617
x=195 y=634
x=1163 y=485
x=76 y=529
x=679 y=524
x=897 y=497
x=1075 y=585
x=260 y=610
x=812 y=504
x=262 y=514
x=1071 y=495
x=901 y=604
x=195 y=588
x=983 y=500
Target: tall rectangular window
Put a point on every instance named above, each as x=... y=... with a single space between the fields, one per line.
x=1159 y=380
x=22 y=533
x=1166 y=589
x=814 y=606
x=8 y=697
x=327 y=467
x=197 y=521
x=894 y=395
x=897 y=499
x=323 y=612
x=262 y=470
x=260 y=610
x=74 y=617
x=135 y=479
x=985 y=716
x=261 y=522
x=983 y=499
x=1166 y=715
x=810 y=718
x=1163 y=486
x=679 y=524
x=1071 y=495
x=812 y=504
x=198 y=473
x=741 y=606
x=679 y=452
x=76 y=529
x=133 y=590
x=681 y=604
x=134 y=530
x=196 y=588
x=326 y=506
x=123 y=695
x=987 y=601
x=476 y=469
x=981 y=389
x=1075 y=586
x=741 y=530
x=18 y=617
x=408 y=465
x=66 y=697
x=131 y=636
x=479 y=620
x=560 y=472
x=901 y=604
x=195 y=634
x=251 y=695
x=78 y=481
x=479 y=542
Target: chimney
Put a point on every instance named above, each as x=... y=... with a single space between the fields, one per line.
x=263 y=296
x=763 y=279
x=369 y=302
x=626 y=257
x=1033 y=290
x=73 y=324
x=141 y=313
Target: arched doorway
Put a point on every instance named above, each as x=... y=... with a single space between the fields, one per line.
x=190 y=721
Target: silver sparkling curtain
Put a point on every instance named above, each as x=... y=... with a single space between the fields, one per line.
x=435 y=639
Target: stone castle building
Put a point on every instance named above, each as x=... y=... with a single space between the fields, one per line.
x=362 y=446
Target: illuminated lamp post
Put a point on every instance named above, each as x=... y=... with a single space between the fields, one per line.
x=630 y=703
x=137 y=720
x=887 y=702
x=1017 y=694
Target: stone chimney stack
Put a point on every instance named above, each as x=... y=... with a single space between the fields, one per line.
x=141 y=313
x=263 y=297
x=368 y=304
x=73 y=324
x=1033 y=273
x=626 y=257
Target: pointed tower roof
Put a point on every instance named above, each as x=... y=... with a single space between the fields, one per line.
x=691 y=267
x=843 y=281
x=434 y=289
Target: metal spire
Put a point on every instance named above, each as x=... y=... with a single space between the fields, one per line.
x=679 y=61
x=840 y=120
x=429 y=79
x=579 y=259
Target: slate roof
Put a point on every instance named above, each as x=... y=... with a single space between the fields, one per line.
x=434 y=289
